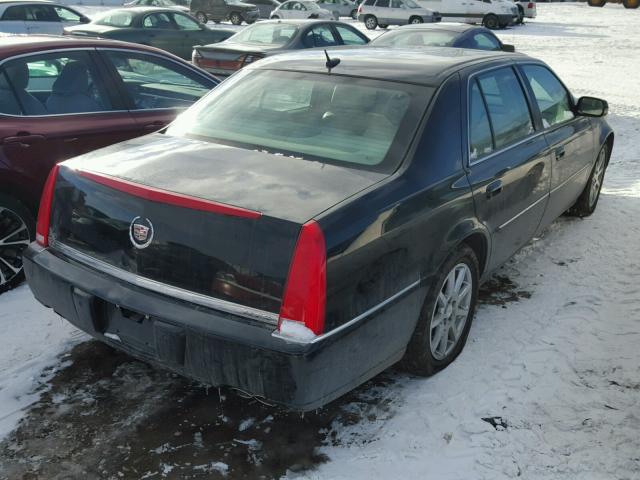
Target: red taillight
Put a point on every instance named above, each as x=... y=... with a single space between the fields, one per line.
x=44 y=213
x=305 y=294
x=531 y=5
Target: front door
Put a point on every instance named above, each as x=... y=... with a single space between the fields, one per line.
x=569 y=137
x=160 y=32
x=43 y=19
x=509 y=164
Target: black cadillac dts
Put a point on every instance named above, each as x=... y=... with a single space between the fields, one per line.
x=314 y=220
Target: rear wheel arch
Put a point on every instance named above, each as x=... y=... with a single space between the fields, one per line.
x=13 y=190
x=479 y=243
x=609 y=142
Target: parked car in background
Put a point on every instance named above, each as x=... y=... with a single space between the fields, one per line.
x=490 y=13
x=303 y=228
x=221 y=10
x=526 y=10
x=64 y=96
x=458 y=35
x=271 y=38
x=37 y=17
x=266 y=7
x=340 y=8
x=299 y=9
x=157 y=3
x=383 y=13
x=163 y=28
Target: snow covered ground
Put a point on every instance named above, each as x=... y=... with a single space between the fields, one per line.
x=548 y=387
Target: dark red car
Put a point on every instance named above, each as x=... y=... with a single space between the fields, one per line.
x=61 y=97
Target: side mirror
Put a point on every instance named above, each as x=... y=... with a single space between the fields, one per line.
x=508 y=48
x=592 y=107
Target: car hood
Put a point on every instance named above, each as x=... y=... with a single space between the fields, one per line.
x=275 y=185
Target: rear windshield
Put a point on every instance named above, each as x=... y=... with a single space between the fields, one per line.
x=330 y=118
x=409 y=38
x=115 y=18
x=266 y=34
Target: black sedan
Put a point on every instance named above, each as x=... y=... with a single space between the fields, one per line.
x=311 y=222
x=271 y=38
x=442 y=35
x=165 y=28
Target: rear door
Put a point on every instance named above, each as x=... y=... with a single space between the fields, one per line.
x=161 y=32
x=43 y=19
x=154 y=88
x=509 y=162
x=13 y=19
x=320 y=36
x=57 y=114
x=570 y=138
x=219 y=10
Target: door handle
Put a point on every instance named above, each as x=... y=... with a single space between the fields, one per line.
x=559 y=153
x=494 y=188
x=24 y=139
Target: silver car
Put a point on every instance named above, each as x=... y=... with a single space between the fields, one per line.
x=301 y=9
x=340 y=8
x=383 y=13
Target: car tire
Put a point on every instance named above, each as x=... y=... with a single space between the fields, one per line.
x=596 y=3
x=491 y=21
x=446 y=315
x=354 y=14
x=520 y=14
x=275 y=17
x=370 y=22
x=588 y=199
x=631 y=3
x=383 y=26
x=17 y=230
x=235 y=18
x=336 y=16
x=202 y=17
x=415 y=20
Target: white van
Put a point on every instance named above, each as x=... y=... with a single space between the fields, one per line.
x=490 y=13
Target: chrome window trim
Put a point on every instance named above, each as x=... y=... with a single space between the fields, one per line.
x=353 y=321
x=101 y=49
x=164 y=289
x=533 y=135
x=544 y=197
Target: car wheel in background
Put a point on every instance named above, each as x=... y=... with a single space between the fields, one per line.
x=17 y=231
x=336 y=16
x=235 y=18
x=370 y=22
x=491 y=21
x=202 y=17
x=384 y=26
x=446 y=315
x=354 y=14
x=596 y=3
x=588 y=199
x=275 y=17
x=520 y=14
x=415 y=20
x=631 y=3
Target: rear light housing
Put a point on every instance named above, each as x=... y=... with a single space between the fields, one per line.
x=303 y=304
x=531 y=5
x=44 y=213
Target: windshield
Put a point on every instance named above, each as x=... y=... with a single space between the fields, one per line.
x=330 y=118
x=411 y=4
x=409 y=38
x=266 y=34
x=115 y=18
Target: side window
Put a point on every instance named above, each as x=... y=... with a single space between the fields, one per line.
x=154 y=83
x=286 y=6
x=382 y=3
x=17 y=12
x=396 y=3
x=42 y=13
x=157 y=20
x=485 y=42
x=320 y=36
x=507 y=106
x=56 y=84
x=185 y=23
x=66 y=15
x=552 y=98
x=480 y=138
x=9 y=104
x=349 y=37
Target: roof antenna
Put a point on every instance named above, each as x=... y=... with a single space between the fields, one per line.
x=331 y=62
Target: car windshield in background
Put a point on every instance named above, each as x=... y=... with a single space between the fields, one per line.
x=115 y=18
x=266 y=34
x=360 y=122
x=311 y=5
x=407 y=38
x=411 y=4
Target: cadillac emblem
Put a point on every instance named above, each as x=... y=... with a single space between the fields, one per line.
x=141 y=232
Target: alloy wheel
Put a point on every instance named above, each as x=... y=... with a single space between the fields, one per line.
x=14 y=238
x=451 y=311
x=371 y=23
x=597 y=178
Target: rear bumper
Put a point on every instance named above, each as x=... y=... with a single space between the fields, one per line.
x=218 y=348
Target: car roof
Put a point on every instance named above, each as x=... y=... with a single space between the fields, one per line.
x=425 y=66
x=143 y=9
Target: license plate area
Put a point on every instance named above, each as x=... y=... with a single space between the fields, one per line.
x=134 y=329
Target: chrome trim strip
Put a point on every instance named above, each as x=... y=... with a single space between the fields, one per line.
x=164 y=289
x=558 y=187
x=351 y=322
x=544 y=197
